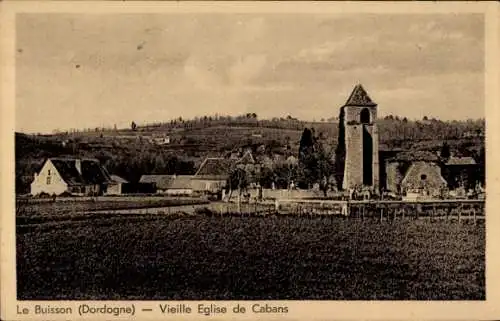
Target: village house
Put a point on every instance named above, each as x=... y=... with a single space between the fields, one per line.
x=75 y=176
x=214 y=172
x=116 y=186
x=461 y=172
x=159 y=139
x=169 y=184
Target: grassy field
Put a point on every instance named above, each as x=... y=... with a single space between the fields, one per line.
x=197 y=257
x=35 y=211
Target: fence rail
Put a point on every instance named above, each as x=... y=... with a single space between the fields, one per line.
x=433 y=209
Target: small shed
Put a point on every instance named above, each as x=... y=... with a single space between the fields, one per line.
x=115 y=187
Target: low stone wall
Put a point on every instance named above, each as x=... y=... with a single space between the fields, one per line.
x=287 y=194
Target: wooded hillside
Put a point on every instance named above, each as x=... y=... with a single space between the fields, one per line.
x=130 y=153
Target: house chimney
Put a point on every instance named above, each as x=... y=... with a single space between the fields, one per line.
x=78 y=165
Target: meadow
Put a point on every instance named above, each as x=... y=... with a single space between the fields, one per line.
x=195 y=257
x=30 y=211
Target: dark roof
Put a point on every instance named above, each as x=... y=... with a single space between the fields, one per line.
x=431 y=171
x=118 y=179
x=412 y=156
x=359 y=97
x=91 y=171
x=67 y=169
x=168 y=181
x=215 y=168
x=461 y=161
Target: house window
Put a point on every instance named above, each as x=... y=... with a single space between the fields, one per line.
x=48 y=172
x=48 y=180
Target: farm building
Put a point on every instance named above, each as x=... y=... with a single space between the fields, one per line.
x=71 y=175
x=115 y=187
x=169 y=184
x=212 y=175
x=461 y=172
x=214 y=172
x=160 y=139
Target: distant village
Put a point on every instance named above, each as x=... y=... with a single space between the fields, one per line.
x=355 y=166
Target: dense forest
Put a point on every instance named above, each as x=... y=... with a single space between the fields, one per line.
x=130 y=153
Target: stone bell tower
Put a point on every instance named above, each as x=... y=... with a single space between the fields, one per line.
x=361 y=165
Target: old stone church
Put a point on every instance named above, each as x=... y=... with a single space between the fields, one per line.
x=360 y=140
x=362 y=164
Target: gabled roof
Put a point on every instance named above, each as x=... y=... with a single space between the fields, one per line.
x=91 y=171
x=431 y=171
x=461 y=161
x=359 y=97
x=168 y=181
x=67 y=169
x=118 y=179
x=215 y=168
x=413 y=156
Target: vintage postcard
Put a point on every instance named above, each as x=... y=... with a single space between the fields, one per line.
x=249 y=160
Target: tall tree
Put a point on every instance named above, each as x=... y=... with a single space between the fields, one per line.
x=306 y=145
x=340 y=151
x=324 y=167
x=307 y=159
x=238 y=178
x=482 y=166
x=445 y=151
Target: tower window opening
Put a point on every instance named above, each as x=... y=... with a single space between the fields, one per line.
x=364 y=116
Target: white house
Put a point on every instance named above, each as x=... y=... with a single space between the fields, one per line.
x=71 y=175
x=160 y=139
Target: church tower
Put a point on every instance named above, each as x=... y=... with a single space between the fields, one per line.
x=361 y=162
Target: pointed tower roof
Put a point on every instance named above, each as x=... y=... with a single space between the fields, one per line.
x=359 y=97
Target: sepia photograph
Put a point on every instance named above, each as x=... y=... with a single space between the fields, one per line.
x=207 y=156
x=212 y=156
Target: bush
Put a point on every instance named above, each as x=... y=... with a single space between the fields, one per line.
x=44 y=195
x=204 y=211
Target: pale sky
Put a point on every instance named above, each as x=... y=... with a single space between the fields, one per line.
x=89 y=70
